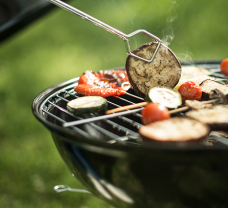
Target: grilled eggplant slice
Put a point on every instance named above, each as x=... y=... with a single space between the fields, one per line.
x=215 y=116
x=164 y=70
x=176 y=129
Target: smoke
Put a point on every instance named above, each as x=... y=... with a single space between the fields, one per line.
x=185 y=57
x=167 y=36
x=168 y=32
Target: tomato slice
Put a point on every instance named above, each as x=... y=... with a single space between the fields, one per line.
x=190 y=91
x=154 y=112
x=224 y=67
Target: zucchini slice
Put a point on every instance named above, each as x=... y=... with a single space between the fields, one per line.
x=87 y=104
x=166 y=96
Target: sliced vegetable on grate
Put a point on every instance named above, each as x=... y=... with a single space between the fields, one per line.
x=166 y=96
x=215 y=116
x=103 y=83
x=87 y=104
x=207 y=86
x=177 y=129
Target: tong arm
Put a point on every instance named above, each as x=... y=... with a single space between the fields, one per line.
x=108 y=28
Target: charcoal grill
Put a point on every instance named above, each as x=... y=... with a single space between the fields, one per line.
x=109 y=158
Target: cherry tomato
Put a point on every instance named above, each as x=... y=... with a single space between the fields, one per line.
x=224 y=67
x=190 y=91
x=154 y=112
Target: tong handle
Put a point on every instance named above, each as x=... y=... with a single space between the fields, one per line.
x=110 y=29
x=89 y=18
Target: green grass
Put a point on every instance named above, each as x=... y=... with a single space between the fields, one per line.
x=61 y=46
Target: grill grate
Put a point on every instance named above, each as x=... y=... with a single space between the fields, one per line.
x=114 y=128
x=117 y=129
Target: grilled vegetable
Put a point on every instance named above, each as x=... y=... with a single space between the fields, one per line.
x=190 y=91
x=217 y=94
x=208 y=86
x=224 y=67
x=164 y=70
x=194 y=74
x=177 y=129
x=197 y=80
x=154 y=112
x=107 y=78
x=103 y=83
x=87 y=104
x=91 y=90
x=195 y=104
x=216 y=116
x=166 y=96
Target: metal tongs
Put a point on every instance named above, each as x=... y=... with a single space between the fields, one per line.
x=110 y=29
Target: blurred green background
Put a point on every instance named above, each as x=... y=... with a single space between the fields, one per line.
x=60 y=46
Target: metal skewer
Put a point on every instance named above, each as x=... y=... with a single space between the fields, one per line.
x=89 y=120
x=110 y=29
x=115 y=113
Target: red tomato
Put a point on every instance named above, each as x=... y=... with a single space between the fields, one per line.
x=154 y=112
x=224 y=67
x=190 y=91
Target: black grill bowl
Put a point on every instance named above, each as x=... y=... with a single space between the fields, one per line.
x=127 y=173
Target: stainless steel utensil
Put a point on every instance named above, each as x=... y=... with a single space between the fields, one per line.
x=110 y=29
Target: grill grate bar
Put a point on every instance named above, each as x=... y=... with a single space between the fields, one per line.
x=62 y=98
x=127 y=93
x=119 y=127
x=116 y=105
x=136 y=140
x=81 y=132
x=75 y=95
x=134 y=123
x=115 y=125
x=88 y=120
x=114 y=115
x=128 y=131
x=128 y=101
x=78 y=97
x=107 y=133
